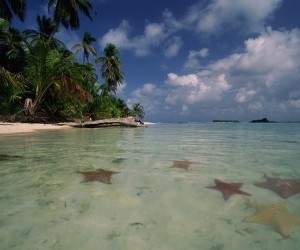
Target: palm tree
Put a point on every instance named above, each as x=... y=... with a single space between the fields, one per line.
x=46 y=27
x=12 y=48
x=121 y=104
x=66 y=11
x=10 y=7
x=86 y=46
x=111 y=69
x=12 y=52
x=137 y=111
x=47 y=69
x=46 y=30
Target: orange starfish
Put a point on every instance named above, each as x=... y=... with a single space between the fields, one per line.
x=228 y=189
x=97 y=175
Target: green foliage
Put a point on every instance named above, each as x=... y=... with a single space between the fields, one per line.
x=50 y=71
x=108 y=106
x=85 y=45
x=66 y=12
x=40 y=77
x=12 y=48
x=137 y=111
x=111 y=69
x=10 y=97
x=10 y=7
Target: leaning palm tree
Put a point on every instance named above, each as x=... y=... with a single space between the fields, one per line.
x=10 y=7
x=86 y=46
x=66 y=12
x=47 y=69
x=111 y=69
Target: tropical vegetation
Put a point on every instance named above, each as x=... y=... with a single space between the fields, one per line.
x=41 y=79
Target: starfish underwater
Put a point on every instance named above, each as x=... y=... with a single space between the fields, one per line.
x=182 y=164
x=228 y=189
x=276 y=215
x=97 y=175
x=283 y=187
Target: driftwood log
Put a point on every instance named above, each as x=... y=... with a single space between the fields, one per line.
x=123 y=122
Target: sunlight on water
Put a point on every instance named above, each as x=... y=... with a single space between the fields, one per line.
x=149 y=205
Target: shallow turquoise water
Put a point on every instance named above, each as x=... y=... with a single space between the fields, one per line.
x=149 y=205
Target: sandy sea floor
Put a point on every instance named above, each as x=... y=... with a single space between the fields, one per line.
x=44 y=205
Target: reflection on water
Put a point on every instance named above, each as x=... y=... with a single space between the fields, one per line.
x=150 y=204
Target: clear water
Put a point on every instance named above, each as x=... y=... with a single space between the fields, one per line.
x=149 y=205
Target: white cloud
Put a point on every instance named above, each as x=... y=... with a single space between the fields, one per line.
x=121 y=88
x=191 y=89
x=154 y=34
x=264 y=78
x=173 y=46
x=219 y=15
x=261 y=80
x=149 y=95
x=170 y=21
x=244 y=95
x=118 y=36
x=273 y=52
x=192 y=61
x=146 y=89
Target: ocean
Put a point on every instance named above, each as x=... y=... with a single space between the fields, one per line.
x=149 y=205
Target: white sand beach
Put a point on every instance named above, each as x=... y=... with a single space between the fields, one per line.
x=14 y=128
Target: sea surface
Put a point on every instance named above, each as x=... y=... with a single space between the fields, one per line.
x=149 y=205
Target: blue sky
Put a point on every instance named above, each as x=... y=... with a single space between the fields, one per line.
x=200 y=60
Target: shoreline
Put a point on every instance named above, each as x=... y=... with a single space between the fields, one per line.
x=19 y=128
x=7 y=128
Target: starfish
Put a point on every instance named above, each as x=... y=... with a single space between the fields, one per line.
x=181 y=164
x=276 y=215
x=97 y=175
x=228 y=189
x=283 y=187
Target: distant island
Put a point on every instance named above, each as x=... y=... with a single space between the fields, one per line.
x=225 y=121
x=263 y=120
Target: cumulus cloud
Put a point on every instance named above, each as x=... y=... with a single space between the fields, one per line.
x=219 y=15
x=154 y=34
x=146 y=89
x=213 y=18
x=118 y=36
x=193 y=88
x=263 y=78
x=193 y=61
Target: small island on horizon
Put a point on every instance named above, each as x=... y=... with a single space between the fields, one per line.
x=263 y=120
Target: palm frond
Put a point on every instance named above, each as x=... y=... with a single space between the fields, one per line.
x=16 y=80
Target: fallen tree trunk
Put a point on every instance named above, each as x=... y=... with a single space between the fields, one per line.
x=124 y=122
